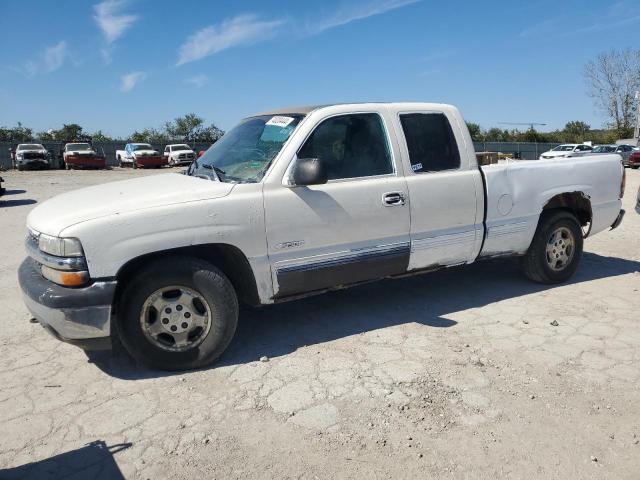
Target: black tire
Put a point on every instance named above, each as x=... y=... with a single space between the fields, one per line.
x=198 y=275
x=635 y=167
x=535 y=263
x=134 y=164
x=20 y=168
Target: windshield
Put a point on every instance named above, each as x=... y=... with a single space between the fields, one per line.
x=604 y=149
x=246 y=151
x=78 y=146
x=178 y=148
x=30 y=146
x=142 y=146
x=564 y=148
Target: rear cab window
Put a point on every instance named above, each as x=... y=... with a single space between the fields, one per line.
x=430 y=141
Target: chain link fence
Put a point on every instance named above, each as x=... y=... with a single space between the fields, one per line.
x=521 y=150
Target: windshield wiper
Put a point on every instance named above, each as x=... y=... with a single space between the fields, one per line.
x=218 y=171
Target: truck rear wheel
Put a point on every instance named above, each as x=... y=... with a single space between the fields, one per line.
x=178 y=314
x=556 y=249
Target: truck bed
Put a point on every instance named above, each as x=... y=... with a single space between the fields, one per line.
x=517 y=192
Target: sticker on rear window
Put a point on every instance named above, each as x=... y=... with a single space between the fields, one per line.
x=280 y=121
x=416 y=167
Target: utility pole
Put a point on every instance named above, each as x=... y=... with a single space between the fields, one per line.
x=636 y=132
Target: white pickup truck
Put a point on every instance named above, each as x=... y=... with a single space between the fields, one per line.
x=179 y=154
x=294 y=202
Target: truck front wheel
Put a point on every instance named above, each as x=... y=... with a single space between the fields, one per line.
x=556 y=249
x=178 y=314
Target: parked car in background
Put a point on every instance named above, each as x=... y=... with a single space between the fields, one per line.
x=179 y=154
x=140 y=155
x=625 y=151
x=1 y=187
x=31 y=156
x=567 y=150
x=604 y=149
x=296 y=202
x=82 y=155
x=634 y=158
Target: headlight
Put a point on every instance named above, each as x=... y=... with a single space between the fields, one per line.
x=19 y=156
x=60 y=247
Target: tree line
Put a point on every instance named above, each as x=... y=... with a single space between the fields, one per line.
x=189 y=128
x=573 y=132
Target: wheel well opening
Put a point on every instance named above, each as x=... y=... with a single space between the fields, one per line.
x=575 y=202
x=229 y=259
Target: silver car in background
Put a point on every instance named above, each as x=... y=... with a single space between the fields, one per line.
x=624 y=151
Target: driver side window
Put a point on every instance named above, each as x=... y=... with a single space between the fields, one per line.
x=350 y=146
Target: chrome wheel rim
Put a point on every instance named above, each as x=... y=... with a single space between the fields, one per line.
x=175 y=318
x=560 y=249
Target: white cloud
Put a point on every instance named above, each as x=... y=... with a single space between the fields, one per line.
x=130 y=80
x=49 y=60
x=55 y=56
x=240 y=30
x=198 y=81
x=351 y=13
x=111 y=20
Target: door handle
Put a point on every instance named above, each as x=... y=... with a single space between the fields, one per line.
x=393 y=199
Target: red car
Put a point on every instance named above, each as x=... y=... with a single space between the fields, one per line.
x=634 y=159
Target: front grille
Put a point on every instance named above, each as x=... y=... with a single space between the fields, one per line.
x=33 y=156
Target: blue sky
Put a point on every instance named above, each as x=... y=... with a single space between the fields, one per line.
x=122 y=65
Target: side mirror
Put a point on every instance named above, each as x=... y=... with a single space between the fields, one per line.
x=308 y=171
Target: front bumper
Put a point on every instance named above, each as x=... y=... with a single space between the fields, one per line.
x=33 y=164
x=80 y=316
x=80 y=161
x=151 y=161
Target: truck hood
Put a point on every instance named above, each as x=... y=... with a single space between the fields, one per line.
x=31 y=151
x=81 y=152
x=146 y=152
x=551 y=153
x=63 y=211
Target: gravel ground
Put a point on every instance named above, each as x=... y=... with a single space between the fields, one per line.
x=466 y=373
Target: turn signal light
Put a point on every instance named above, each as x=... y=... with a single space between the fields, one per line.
x=67 y=279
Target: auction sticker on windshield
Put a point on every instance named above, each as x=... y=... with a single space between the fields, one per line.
x=279 y=121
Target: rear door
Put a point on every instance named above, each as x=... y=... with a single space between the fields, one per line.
x=351 y=229
x=444 y=185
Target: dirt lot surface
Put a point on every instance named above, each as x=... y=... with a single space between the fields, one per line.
x=466 y=373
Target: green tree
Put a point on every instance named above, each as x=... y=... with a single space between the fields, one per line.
x=474 y=130
x=576 y=131
x=191 y=128
x=100 y=137
x=68 y=133
x=149 y=135
x=19 y=134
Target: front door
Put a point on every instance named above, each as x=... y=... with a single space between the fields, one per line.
x=351 y=229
